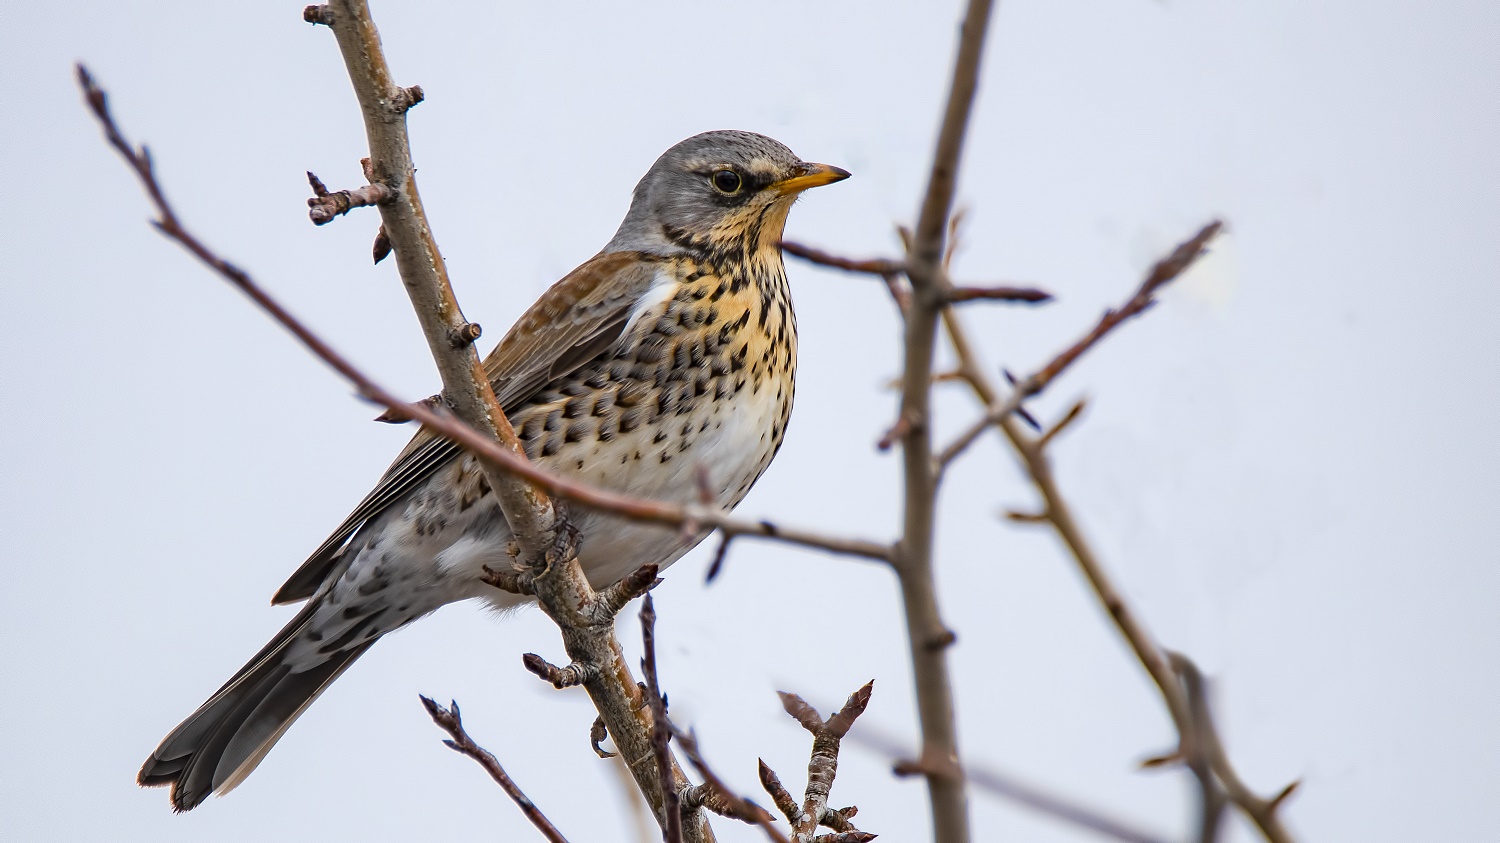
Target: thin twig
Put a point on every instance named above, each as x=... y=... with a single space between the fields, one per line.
x=1162 y=272
x=872 y=266
x=715 y=795
x=466 y=386
x=1205 y=736
x=325 y=206
x=1010 y=787
x=1195 y=732
x=450 y=721
x=927 y=635
x=1025 y=295
x=661 y=733
x=822 y=769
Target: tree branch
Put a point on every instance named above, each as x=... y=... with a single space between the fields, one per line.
x=1164 y=271
x=450 y=721
x=1007 y=786
x=1195 y=733
x=927 y=636
x=822 y=768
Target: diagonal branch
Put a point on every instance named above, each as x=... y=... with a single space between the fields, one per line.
x=466 y=387
x=1195 y=731
x=450 y=721
x=1164 y=271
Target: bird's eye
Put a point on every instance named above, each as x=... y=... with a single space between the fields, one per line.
x=726 y=181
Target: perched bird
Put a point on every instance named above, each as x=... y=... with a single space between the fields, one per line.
x=675 y=347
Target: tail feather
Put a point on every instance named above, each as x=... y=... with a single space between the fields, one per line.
x=215 y=748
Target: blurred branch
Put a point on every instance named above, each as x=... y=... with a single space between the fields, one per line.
x=450 y=721
x=1025 y=295
x=872 y=266
x=1165 y=270
x=1007 y=786
x=1197 y=739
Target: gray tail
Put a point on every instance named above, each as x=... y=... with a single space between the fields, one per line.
x=222 y=742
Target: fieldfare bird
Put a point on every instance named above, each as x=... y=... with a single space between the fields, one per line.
x=675 y=347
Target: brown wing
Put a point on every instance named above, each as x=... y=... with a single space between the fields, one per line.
x=576 y=320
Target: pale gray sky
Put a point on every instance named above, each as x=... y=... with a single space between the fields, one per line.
x=1289 y=464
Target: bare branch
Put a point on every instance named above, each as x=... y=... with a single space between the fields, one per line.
x=714 y=795
x=1025 y=295
x=1196 y=738
x=449 y=720
x=720 y=555
x=1164 y=271
x=872 y=266
x=661 y=734
x=1204 y=740
x=573 y=675
x=822 y=768
x=424 y=274
x=1009 y=787
x=914 y=557
x=324 y=207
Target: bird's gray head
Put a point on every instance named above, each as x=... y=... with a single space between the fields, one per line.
x=722 y=190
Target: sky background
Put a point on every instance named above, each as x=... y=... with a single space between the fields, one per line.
x=1289 y=465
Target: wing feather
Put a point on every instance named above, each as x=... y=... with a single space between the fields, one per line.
x=576 y=320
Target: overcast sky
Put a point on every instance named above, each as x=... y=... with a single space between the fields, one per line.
x=1290 y=465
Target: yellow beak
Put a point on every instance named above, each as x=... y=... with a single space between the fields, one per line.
x=811 y=175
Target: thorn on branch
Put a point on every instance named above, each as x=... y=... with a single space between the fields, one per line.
x=598 y=733
x=1275 y=801
x=318 y=15
x=1156 y=762
x=897 y=432
x=1026 y=517
x=465 y=334
x=324 y=207
x=1021 y=412
x=1024 y=295
x=382 y=248
x=941 y=641
x=720 y=555
x=924 y=766
x=1062 y=424
x=573 y=675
